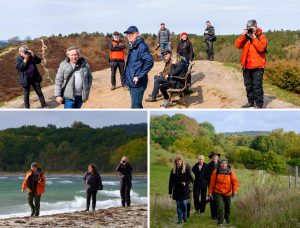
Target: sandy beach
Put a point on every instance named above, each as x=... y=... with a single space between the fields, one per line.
x=135 y=216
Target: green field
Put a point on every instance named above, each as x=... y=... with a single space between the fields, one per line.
x=163 y=211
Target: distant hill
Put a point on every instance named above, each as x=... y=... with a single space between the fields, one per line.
x=3 y=43
x=250 y=133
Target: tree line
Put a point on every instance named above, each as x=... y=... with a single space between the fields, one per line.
x=274 y=151
x=71 y=149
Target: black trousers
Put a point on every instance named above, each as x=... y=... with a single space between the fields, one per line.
x=34 y=203
x=114 y=66
x=223 y=205
x=89 y=195
x=125 y=187
x=199 y=203
x=210 y=50
x=158 y=80
x=213 y=207
x=253 y=80
x=37 y=88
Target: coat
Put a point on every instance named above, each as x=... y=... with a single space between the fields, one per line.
x=65 y=68
x=178 y=70
x=22 y=67
x=39 y=182
x=185 y=49
x=209 y=33
x=92 y=181
x=176 y=188
x=254 y=51
x=209 y=169
x=139 y=63
x=200 y=178
x=223 y=183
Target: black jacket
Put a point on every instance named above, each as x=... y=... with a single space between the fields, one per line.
x=176 y=187
x=92 y=181
x=22 y=67
x=124 y=169
x=200 y=177
x=178 y=70
x=185 y=49
x=209 y=33
x=209 y=170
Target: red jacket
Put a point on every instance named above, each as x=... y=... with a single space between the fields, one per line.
x=254 y=51
x=40 y=188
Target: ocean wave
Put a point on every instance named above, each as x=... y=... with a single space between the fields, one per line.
x=77 y=204
x=49 y=182
x=113 y=183
x=3 y=177
x=116 y=193
x=65 y=182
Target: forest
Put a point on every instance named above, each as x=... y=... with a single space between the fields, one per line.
x=274 y=151
x=71 y=149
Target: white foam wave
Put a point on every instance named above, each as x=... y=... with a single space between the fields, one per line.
x=116 y=193
x=65 y=182
x=3 y=177
x=113 y=183
x=49 y=182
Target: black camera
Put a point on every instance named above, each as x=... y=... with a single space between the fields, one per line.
x=250 y=30
x=27 y=53
x=123 y=162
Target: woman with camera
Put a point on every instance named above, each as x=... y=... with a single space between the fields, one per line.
x=29 y=75
x=93 y=183
x=125 y=170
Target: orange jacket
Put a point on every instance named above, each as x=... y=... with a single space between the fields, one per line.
x=223 y=183
x=40 y=188
x=119 y=54
x=254 y=51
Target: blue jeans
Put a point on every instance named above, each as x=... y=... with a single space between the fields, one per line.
x=137 y=94
x=181 y=210
x=73 y=103
x=163 y=47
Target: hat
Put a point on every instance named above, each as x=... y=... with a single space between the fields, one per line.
x=251 y=23
x=183 y=33
x=166 y=51
x=213 y=153
x=132 y=29
x=34 y=164
x=116 y=33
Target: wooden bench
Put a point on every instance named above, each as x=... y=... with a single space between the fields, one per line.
x=182 y=90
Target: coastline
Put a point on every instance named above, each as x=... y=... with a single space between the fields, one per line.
x=134 y=216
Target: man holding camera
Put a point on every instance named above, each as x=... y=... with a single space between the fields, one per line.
x=209 y=38
x=253 y=59
x=29 y=75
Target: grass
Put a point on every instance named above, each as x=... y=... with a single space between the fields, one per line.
x=272 y=90
x=252 y=184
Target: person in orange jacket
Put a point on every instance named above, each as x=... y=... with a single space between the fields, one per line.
x=35 y=183
x=224 y=185
x=253 y=59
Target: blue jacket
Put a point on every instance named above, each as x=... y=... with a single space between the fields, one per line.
x=139 y=63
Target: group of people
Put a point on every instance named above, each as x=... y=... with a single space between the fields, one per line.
x=74 y=78
x=214 y=182
x=35 y=182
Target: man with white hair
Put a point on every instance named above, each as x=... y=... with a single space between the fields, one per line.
x=73 y=80
x=29 y=75
x=200 y=184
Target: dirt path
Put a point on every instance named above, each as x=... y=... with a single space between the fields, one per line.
x=214 y=86
x=135 y=216
x=44 y=61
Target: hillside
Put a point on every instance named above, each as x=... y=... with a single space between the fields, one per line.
x=70 y=149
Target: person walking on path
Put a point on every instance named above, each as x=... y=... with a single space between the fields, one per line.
x=209 y=39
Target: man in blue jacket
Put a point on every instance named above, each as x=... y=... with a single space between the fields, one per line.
x=139 y=63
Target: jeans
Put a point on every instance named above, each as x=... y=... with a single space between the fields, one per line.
x=209 y=50
x=163 y=47
x=114 y=65
x=37 y=88
x=35 y=207
x=137 y=94
x=89 y=195
x=223 y=205
x=158 y=80
x=73 y=103
x=181 y=209
x=200 y=204
x=125 y=187
x=253 y=80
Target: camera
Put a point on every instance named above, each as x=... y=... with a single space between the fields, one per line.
x=27 y=53
x=123 y=162
x=250 y=31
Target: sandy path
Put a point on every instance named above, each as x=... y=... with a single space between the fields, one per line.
x=214 y=86
x=44 y=61
x=135 y=216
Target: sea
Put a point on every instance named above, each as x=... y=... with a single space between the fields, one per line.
x=65 y=193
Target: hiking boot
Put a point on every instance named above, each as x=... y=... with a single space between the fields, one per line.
x=113 y=88
x=93 y=209
x=150 y=99
x=248 y=105
x=36 y=215
x=179 y=222
x=258 y=107
x=86 y=210
x=32 y=214
x=184 y=220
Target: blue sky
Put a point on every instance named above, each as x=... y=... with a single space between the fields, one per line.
x=46 y=17
x=11 y=119
x=236 y=121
